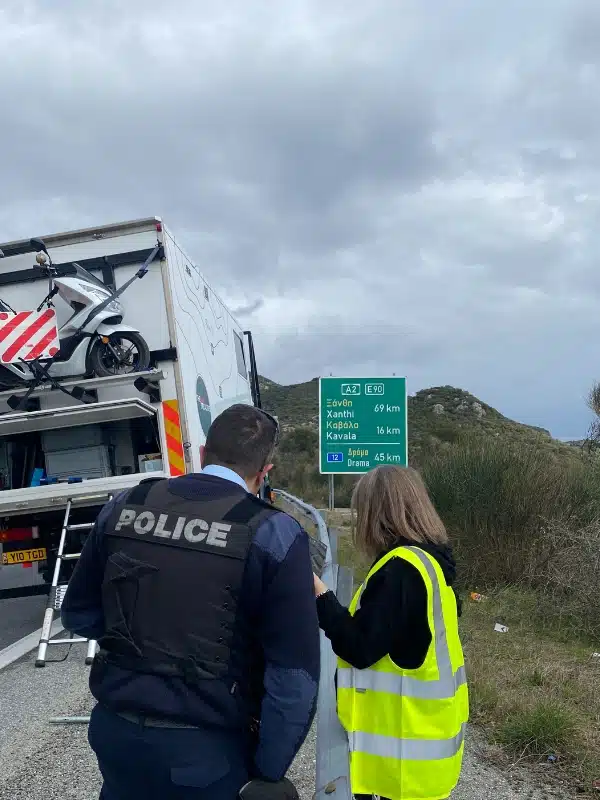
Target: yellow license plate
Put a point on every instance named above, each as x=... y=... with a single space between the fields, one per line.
x=24 y=556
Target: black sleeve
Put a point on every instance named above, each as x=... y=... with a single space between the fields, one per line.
x=459 y=602
x=392 y=618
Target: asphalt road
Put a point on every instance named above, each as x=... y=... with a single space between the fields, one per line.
x=41 y=761
x=19 y=617
x=47 y=762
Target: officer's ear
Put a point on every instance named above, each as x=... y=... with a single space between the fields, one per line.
x=255 y=484
x=264 y=472
x=202 y=455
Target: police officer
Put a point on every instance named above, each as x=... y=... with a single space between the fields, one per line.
x=200 y=595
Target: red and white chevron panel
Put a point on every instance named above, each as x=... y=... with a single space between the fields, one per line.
x=28 y=335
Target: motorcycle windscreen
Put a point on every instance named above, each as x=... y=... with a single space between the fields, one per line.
x=84 y=275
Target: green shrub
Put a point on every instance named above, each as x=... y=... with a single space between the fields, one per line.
x=297 y=470
x=547 y=728
x=497 y=499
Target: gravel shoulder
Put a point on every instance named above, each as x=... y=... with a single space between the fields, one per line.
x=486 y=776
x=41 y=761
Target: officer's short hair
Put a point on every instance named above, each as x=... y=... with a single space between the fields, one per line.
x=243 y=438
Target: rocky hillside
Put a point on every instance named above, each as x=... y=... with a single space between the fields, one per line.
x=441 y=412
x=445 y=413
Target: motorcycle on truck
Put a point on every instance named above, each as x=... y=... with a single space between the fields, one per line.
x=93 y=341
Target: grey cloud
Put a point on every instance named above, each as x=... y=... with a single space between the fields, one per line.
x=331 y=344
x=246 y=311
x=252 y=148
x=583 y=32
x=395 y=170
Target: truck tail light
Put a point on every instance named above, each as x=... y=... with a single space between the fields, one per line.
x=18 y=534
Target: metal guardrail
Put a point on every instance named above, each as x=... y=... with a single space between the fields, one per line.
x=332 y=773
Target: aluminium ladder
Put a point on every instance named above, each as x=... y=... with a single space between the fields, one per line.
x=58 y=590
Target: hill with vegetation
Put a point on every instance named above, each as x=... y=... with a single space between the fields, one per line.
x=437 y=418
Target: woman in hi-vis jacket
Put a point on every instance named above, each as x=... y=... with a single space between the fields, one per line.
x=401 y=685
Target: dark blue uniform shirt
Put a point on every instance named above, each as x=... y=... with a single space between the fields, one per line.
x=276 y=599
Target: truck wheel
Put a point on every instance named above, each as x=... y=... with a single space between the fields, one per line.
x=122 y=354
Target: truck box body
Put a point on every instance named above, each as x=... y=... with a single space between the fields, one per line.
x=146 y=423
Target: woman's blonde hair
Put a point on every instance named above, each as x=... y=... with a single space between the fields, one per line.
x=389 y=503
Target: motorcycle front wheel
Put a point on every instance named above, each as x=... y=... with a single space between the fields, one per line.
x=119 y=354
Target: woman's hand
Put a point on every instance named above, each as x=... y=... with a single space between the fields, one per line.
x=319 y=585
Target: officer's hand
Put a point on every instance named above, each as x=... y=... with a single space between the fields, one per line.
x=267 y=790
x=320 y=587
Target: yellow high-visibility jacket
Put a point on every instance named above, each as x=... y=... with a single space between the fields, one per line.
x=406 y=727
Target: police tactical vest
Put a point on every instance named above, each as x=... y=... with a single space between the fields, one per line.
x=172 y=580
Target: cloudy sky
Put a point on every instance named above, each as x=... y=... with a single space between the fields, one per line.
x=399 y=186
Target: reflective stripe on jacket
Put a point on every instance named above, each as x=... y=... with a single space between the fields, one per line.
x=406 y=727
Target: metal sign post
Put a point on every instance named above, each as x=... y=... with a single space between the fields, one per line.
x=331 y=493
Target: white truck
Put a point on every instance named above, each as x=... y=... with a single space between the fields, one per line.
x=69 y=443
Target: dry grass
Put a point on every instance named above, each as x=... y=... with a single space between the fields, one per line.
x=534 y=689
x=340 y=518
x=535 y=692
x=566 y=568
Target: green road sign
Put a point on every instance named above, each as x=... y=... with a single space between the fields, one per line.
x=362 y=424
